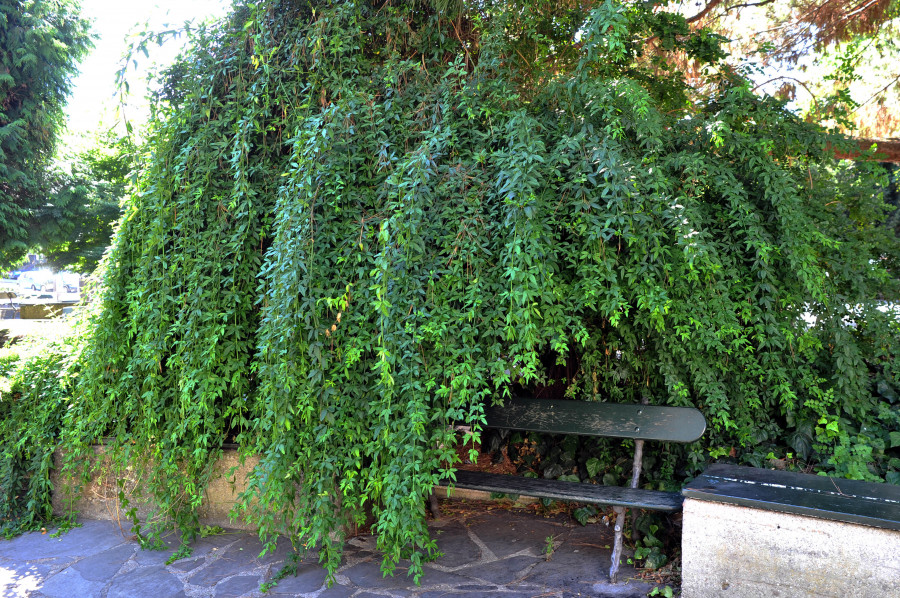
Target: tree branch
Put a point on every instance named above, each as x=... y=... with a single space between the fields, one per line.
x=879 y=92
x=802 y=84
x=712 y=4
x=748 y=5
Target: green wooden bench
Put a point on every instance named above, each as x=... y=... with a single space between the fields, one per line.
x=638 y=422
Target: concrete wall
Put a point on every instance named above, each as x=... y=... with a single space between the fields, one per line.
x=38 y=311
x=733 y=551
x=99 y=499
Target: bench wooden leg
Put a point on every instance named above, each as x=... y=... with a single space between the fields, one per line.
x=617 y=544
x=433 y=505
x=620 y=511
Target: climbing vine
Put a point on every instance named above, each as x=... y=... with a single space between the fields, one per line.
x=359 y=222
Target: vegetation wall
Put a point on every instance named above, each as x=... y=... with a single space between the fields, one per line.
x=359 y=222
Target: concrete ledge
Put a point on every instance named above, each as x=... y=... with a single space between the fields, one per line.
x=38 y=311
x=734 y=551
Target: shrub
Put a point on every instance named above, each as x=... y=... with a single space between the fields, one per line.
x=360 y=222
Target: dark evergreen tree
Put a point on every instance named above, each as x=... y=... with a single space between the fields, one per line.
x=84 y=203
x=41 y=43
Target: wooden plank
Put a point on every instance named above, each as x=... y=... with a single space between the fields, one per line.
x=863 y=503
x=617 y=420
x=568 y=491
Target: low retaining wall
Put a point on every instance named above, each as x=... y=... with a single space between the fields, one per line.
x=733 y=551
x=99 y=498
x=751 y=533
x=40 y=311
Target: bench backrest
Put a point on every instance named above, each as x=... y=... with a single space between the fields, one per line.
x=588 y=418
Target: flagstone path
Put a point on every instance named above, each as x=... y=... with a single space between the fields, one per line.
x=485 y=553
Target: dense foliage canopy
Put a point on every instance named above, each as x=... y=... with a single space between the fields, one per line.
x=362 y=221
x=41 y=43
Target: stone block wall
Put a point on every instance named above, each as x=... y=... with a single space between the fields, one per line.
x=731 y=551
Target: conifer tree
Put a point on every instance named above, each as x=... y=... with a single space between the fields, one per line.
x=41 y=43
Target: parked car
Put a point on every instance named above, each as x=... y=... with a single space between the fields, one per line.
x=71 y=282
x=39 y=280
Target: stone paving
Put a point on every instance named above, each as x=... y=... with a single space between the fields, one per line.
x=485 y=553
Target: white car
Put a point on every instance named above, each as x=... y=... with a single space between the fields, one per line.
x=39 y=280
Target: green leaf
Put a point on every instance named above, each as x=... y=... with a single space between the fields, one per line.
x=895 y=439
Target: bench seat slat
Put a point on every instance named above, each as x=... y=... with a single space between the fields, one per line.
x=569 y=491
x=617 y=420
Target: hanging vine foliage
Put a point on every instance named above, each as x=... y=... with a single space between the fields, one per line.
x=360 y=221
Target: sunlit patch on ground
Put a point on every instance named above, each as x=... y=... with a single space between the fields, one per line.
x=16 y=584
